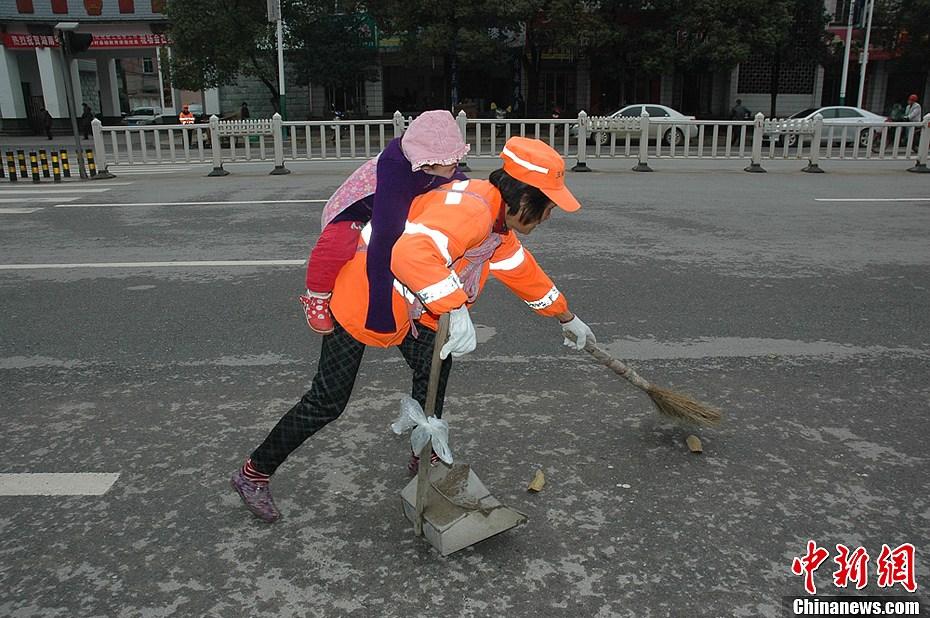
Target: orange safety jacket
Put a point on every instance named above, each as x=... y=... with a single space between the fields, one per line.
x=187 y=118
x=429 y=257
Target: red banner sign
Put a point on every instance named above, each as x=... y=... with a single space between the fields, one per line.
x=109 y=41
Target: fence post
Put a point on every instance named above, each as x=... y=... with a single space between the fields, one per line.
x=462 y=121
x=582 y=164
x=398 y=124
x=921 y=165
x=56 y=167
x=21 y=158
x=643 y=165
x=43 y=161
x=217 y=147
x=11 y=166
x=34 y=166
x=754 y=164
x=814 y=157
x=91 y=164
x=100 y=150
x=278 y=134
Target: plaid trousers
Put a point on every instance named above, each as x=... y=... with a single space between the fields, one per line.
x=329 y=394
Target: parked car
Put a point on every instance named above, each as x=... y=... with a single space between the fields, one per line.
x=661 y=119
x=855 y=119
x=143 y=116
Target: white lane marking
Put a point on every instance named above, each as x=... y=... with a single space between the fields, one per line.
x=18 y=211
x=231 y=203
x=62 y=484
x=207 y=263
x=147 y=172
x=54 y=190
x=872 y=199
x=147 y=167
x=21 y=200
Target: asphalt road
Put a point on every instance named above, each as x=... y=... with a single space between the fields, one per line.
x=806 y=321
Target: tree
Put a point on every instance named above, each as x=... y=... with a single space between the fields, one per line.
x=903 y=27
x=471 y=34
x=789 y=32
x=549 y=25
x=215 y=41
x=331 y=48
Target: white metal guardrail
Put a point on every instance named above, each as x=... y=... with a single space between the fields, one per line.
x=643 y=139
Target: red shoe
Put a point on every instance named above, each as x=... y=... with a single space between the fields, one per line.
x=316 y=311
x=414 y=464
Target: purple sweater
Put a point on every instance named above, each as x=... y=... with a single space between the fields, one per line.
x=397 y=187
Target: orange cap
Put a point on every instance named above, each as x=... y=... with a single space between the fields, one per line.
x=538 y=165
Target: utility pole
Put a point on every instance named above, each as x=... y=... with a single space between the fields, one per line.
x=65 y=32
x=849 y=25
x=865 y=54
x=274 y=14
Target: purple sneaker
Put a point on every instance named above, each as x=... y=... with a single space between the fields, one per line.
x=257 y=497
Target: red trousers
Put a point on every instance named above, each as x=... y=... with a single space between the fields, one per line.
x=335 y=247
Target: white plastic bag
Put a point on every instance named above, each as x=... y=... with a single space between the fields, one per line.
x=424 y=429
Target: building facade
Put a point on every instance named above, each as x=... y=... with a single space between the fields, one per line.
x=121 y=69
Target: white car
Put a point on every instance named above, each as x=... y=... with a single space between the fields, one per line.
x=661 y=121
x=857 y=122
x=143 y=116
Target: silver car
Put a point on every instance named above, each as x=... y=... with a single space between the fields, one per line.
x=664 y=122
x=143 y=116
x=856 y=122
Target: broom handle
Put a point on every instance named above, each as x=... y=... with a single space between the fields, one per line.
x=617 y=366
x=432 y=391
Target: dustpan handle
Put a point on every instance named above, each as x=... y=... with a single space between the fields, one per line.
x=435 y=368
x=432 y=392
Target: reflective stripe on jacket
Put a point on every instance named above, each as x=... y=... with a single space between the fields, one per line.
x=427 y=262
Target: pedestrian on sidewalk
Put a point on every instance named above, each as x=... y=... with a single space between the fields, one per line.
x=913 y=114
x=87 y=117
x=46 y=119
x=739 y=112
x=454 y=238
x=381 y=190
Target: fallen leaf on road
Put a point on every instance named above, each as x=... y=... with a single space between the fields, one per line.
x=539 y=480
x=694 y=443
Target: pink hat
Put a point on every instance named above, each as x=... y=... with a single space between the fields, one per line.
x=433 y=138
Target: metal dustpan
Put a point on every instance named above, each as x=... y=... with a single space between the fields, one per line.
x=449 y=505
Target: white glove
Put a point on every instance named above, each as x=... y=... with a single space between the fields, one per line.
x=582 y=333
x=462 y=339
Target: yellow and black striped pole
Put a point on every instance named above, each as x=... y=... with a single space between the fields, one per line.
x=56 y=169
x=21 y=157
x=34 y=165
x=65 y=168
x=11 y=166
x=43 y=160
x=91 y=165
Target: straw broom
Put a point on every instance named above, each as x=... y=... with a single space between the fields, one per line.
x=670 y=403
